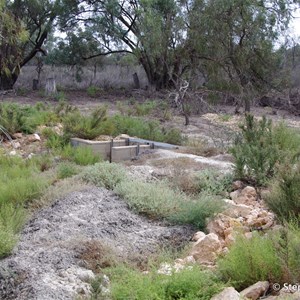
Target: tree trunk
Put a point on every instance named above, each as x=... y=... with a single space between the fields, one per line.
x=7 y=82
x=50 y=88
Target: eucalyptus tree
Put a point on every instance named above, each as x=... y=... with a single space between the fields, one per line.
x=235 y=41
x=24 y=33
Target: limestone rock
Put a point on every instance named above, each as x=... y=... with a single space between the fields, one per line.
x=206 y=249
x=198 y=235
x=228 y=293
x=33 y=138
x=237 y=185
x=18 y=135
x=221 y=223
x=256 y=290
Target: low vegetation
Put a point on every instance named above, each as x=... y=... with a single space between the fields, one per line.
x=193 y=283
x=261 y=148
x=157 y=200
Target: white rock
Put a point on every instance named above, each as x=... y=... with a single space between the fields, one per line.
x=228 y=293
x=256 y=290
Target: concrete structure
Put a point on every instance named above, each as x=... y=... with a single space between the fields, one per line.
x=121 y=149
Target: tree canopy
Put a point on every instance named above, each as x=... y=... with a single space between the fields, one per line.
x=231 y=42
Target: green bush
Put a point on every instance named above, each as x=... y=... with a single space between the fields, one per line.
x=20 y=183
x=144 y=109
x=93 y=91
x=66 y=170
x=155 y=200
x=193 y=284
x=255 y=151
x=251 y=260
x=82 y=156
x=287 y=245
x=104 y=174
x=11 y=220
x=198 y=211
x=284 y=197
x=86 y=127
x=16 y=118
x=150 y=130
x=213 y=183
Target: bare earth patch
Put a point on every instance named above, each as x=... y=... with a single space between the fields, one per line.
x=46 y=264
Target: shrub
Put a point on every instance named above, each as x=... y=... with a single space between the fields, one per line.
x=11 y=220
x=66 y=170
x=214 y=183
x=150 y=130
x=251 y=260
x=144 y=108
x=15 y=118
x=155 y=200
x=86 y=127
x=104 y=174
x=192 y=284
x=82 y=156
x=92 y=91
x=284 y=198
x=255 y=151
x=198 y=211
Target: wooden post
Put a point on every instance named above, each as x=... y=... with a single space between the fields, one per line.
x=35 y=84
x=50 y=88
x=136 y=81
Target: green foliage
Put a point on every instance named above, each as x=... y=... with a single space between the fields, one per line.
x=19 y=185
x=261 y=148
x=198 y=211
x=287 y=244
x=213 y=183
x=251 y=260
x=144 y=109
x=104 y=174
x=82 y=156
x=284 y=198
x=93 y=91
x=150 y=130
x=11 y=220
x=155 y=200
x=66 y=170
x=16 y=118
x=60 y=96
x=86 y=127
x=255 y=151
x=192 y=284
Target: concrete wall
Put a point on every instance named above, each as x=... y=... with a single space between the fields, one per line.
x=103 y=148
x=127 y=152
x=115 y=151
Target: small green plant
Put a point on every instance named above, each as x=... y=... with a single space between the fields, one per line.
x=86 y=127
x=155 y=200
x=66 y=170
x=192 y=284
x=93 y=91
x=225 y=118
x=213 y=183
x=255 y=151
x=284 y=198
x=251 y=260
x=82 y=156
x=104 y=174
x=60 y=96
x=198 y=211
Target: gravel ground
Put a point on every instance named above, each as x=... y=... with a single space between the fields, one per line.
x=45 y=264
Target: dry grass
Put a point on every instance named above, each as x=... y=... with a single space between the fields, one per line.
x=200 y=148
x=184 y=163
x=108 y=76
x=97 y=256
x=58 y=190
